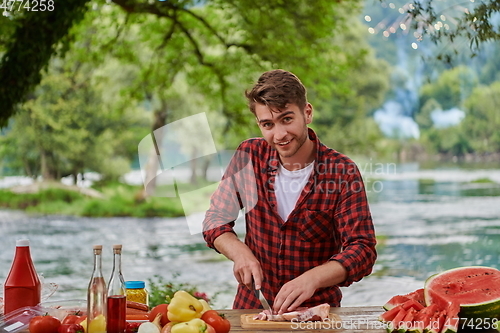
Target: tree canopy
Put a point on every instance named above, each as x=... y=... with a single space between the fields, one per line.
x=208 y=33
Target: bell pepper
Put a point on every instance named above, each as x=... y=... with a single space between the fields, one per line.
x=184 y=307
x=195 y=325
x=206 y=306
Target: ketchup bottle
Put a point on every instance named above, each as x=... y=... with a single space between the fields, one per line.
x=22 y=286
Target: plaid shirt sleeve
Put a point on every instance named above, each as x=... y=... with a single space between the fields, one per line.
x=226 y=202
x=355 y=228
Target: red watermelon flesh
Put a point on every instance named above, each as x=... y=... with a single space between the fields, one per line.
x=412 y=304
x=417 y=295
x=451 y=321
x=475 y=289
x=423 y=317
x=407 y=322
x=436 y=322
x=398 y=319
x=465 y=285
x=390 y=314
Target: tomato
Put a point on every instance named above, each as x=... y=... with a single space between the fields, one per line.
x=71 y=328
x=210 y=329
x=160 y=308
x=217 y=321
x=44 y=324
x=132 y=327
x=75 y=318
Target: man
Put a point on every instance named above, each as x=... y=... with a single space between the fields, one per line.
x=308 y=225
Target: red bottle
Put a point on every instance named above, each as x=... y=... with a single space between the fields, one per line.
x=22 y=286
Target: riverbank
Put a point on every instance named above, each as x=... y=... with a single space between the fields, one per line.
x=100 y=200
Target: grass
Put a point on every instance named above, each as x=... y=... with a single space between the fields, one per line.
x=120 y=200
x=484 y=180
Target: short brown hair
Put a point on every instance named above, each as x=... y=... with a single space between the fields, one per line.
x=276 y=89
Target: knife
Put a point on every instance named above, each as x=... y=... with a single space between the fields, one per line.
x=264 y=303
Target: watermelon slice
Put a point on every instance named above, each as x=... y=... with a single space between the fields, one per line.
x=423 y=317
x=417 y=295
x=476 y=289
x=389 y=316
x=451 y=321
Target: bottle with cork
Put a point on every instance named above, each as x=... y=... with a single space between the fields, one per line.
x=96 y=296
x=22 y=286
x=117 y=302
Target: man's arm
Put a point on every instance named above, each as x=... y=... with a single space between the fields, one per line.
x=246 y=269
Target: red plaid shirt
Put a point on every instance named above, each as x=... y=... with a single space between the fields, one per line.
x=331 y=220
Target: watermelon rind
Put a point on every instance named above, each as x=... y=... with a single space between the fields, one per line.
x=489 y=309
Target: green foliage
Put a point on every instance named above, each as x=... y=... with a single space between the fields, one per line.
x=451 y=88
x=120 y=201
x=33 y=42
x=482 y=119
x=68 y=128
x=54 y=196
x=161 y=291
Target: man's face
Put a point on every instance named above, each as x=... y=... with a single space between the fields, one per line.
x=286 y=130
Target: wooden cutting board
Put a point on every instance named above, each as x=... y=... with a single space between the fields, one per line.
x=247 y=321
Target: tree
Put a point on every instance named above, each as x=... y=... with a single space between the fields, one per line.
x=482 y=118
x=271 y=32
x=67 y=128
x=455 y=23
x=451 y=88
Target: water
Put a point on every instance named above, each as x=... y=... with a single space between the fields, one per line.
x=426 y=220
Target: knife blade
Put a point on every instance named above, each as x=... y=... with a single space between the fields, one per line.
x=264 y=303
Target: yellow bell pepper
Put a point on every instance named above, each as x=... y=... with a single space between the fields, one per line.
x=206 y=306
x=184 y=307
x=195 y=325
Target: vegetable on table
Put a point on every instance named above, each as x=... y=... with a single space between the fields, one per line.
x=44 y=324
x=74 y=318
x=151 y=327
x=195 y=325
x=71 y=328
x=183 y=307
x=218 y=321
x=206 y=306
x=161 y=309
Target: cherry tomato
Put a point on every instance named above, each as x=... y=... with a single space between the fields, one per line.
x=217 y=321
x=132 y=327
x=44 y=324
x=161 y=308
x=71 y=328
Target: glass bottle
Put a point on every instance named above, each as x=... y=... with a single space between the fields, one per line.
x=22 y=286
x=117 y=302
x=96 y=296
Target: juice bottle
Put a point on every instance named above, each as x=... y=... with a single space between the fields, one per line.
x=22 y=286
x=96 y=296
x=117 y=302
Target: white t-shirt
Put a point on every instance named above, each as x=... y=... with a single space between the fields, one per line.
x=288 y=186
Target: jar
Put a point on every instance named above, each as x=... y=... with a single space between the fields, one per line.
x=136 y=292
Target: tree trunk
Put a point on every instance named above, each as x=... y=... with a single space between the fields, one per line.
x=204 y=168
x=47 y=169
x=160 y=119
x=193 y=163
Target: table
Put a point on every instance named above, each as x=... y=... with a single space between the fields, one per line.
x=354 y=319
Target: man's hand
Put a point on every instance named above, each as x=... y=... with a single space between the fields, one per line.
x=293 y=293
x=246 y=268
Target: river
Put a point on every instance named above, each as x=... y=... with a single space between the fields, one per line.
x=427 y=220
